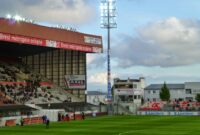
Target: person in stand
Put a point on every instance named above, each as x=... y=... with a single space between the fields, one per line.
x=63 y=117
x=67 y=117
x=83 y=115
x=43 y=118
x=74 y=116
x=47 y=123
x=59 y=117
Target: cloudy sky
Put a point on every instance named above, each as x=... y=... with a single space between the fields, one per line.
x=156 y=39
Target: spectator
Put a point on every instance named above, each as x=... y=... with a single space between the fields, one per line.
x=22 y=121
x=47 y=123
x=83 y=115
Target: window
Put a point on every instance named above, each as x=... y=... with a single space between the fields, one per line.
x=188 y=91
x=135 y=86
x=126 y=98
x=154 y=91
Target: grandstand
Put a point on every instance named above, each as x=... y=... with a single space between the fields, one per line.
x=35 y=61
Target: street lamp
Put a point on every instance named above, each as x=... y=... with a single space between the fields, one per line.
x=108 y=21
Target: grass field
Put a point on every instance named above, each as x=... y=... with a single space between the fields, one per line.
x=115 y=125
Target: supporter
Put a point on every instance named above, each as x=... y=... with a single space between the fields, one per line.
x=83 y=115
x=47 y=123
x=59 y=117
x=74 y=116
x=22 y=121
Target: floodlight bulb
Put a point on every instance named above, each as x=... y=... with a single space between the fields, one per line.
x=17 y=18
x=8 y=16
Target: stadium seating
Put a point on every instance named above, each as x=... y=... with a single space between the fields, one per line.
x=171 y=106
x=23 y=86
x=152 y=106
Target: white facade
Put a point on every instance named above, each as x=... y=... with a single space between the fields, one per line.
x=186 y=91
x=128 y=93
x=96 y=97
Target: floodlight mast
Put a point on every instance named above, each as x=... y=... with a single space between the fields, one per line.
x=108 y=21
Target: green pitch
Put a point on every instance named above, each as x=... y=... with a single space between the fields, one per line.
x=115 y=125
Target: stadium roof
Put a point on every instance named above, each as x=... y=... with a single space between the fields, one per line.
x=34 y=34
x=170 y=86
x=15 y=108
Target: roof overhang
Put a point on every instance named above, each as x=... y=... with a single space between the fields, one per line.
x=37 y=35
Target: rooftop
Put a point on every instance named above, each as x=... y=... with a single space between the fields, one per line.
x=170 y=86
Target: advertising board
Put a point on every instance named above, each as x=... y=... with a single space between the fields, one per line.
x=75 y=81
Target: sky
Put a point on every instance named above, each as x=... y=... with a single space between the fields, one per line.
x=155 y=39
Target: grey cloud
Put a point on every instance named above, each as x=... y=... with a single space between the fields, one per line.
x=168 y=43
x=54 y=11
x=98 y=62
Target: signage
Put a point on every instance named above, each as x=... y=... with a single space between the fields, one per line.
x=172 y=113
x=75 y=81
x=51 y=43
x=92 y=40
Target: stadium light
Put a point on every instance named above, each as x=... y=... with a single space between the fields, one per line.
x=19 y=18
x=108 y=21
x=8 y=16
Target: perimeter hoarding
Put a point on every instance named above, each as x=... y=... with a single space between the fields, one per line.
x=75 y=81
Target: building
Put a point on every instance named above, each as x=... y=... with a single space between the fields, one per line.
x=186 y=91
x=96 y=97
x=128 y=94
x=59 y=55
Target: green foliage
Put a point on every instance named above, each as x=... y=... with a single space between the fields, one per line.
x=198 y=97
x=164 y=93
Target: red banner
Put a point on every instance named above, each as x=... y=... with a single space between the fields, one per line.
x=47 y=43
x=34 y=120
x=10 y=122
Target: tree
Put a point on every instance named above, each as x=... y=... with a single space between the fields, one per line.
x=198 y=97
x=164 y=93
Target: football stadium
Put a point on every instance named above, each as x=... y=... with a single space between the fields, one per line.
x=43 y=88
x=43 y=78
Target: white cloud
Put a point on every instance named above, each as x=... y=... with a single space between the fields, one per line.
x=54 y=11
x=90 y=58
x=170 y=42
x=100 y=78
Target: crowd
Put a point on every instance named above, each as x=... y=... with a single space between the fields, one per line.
x=23 y=86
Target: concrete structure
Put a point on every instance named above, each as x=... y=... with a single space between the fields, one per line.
x=185 y=91
x=128 y=94
x=96 y=97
